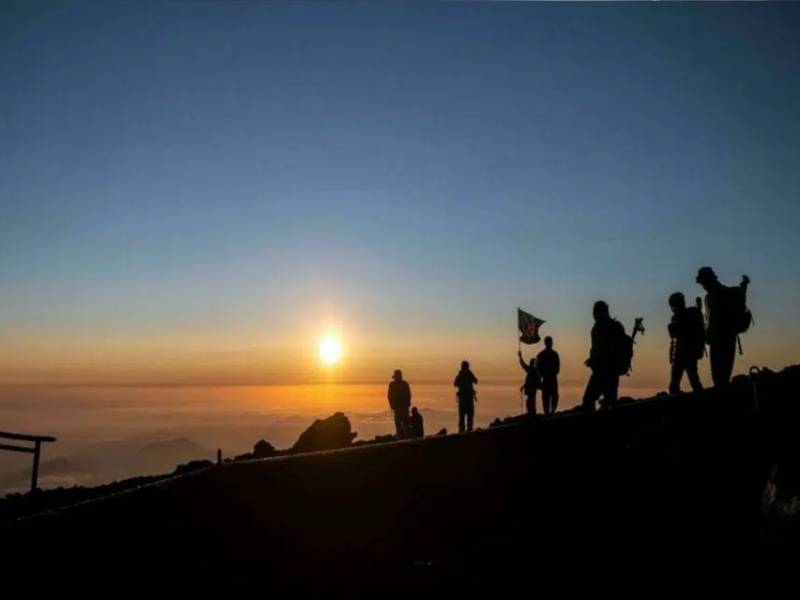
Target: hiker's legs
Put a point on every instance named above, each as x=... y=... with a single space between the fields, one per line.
x=722 y=355
x=553 y=385
x=592 y=393
x=401 y=421
x=530 y=402
x=610 y=389
x=462 y=413
x=676 y=374
x=694 y=377
x=550 y=395
x=470 y=415
x=547 y=399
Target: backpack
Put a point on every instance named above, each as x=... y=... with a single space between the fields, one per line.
x=623 y=350
x=741 y=317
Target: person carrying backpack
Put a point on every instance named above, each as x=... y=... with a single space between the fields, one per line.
x=728 y=317
x=610 y=347
x=688 y=343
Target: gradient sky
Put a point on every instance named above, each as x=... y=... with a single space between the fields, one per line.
x=197 y=192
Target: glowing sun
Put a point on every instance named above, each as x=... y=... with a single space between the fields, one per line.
x=330 y=350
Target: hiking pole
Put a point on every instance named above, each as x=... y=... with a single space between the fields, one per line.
x=754 y=373
x=698 y=302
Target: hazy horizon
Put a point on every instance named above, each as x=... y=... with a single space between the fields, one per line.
x=102 y=431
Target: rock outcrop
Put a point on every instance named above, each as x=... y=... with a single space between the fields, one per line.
x=326 y=434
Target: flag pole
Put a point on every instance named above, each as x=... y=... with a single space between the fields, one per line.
x=519 y=351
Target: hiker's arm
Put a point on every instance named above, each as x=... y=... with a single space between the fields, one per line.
x=474 y=379
x=672 y=328
x=558 y=364
x=522 y=363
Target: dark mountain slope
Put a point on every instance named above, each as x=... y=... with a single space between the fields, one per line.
x=645 y=483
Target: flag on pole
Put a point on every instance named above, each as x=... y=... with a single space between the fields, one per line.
x=528 y=327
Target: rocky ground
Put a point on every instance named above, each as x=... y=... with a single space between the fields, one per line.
x=692 y=478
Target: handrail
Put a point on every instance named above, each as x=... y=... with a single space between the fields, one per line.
x=35 y=450
x=26 y=438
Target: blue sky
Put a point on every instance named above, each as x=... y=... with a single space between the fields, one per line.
x=412 y=172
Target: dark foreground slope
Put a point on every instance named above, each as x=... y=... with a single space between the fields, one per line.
x=653 y=481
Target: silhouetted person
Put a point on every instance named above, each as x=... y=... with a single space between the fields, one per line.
x=607 y=337
x=416 y=428
x=726 y=313
x=465 y=382
x=531 y=385
x=399 y=401
x=688 y=343
x=549 y=365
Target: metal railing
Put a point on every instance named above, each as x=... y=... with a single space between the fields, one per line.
x=36 y=449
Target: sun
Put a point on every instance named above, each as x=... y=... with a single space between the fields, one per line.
x=330 y=350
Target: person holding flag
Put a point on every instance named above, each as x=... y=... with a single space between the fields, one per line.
x=533 y=382
x=529 y=334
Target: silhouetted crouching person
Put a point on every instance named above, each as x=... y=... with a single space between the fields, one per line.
x=531 y=385
x=607 y=339
x=465 y=382
x=549 y=365
x=688 y=343
x=416 y=428
x=399 y=401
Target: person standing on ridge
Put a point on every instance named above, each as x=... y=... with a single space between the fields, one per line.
x=687 y=345
x=728 y=317
x=608 y=336
x=531 y=385
x=465 y=382
x=549 y=365
x=399 y=401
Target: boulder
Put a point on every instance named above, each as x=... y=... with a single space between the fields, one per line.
x=263 y=449
x=192 y=465
x=326 y=434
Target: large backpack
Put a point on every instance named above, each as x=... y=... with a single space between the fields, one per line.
x=734 y=316
x=623 y=350
x=740 y=315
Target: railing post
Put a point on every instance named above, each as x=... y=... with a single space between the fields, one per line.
x=35 y=473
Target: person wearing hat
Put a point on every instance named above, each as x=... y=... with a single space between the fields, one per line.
x=399 y=401
x=722 y=307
